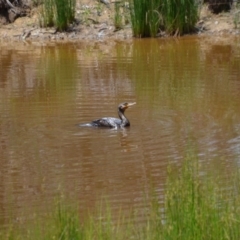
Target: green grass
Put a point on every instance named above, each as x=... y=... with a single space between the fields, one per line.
x=179 y=16
x=58 y=13
x=145 y=17
x=118 y=16
x=197 y=205
x=173 y=16
x=47 y=14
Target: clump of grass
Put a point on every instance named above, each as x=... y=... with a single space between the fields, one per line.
x=198 y=208
x=47 y=14
x=179 y=17
x=58 y=13
x=173 y=16
x=66 y=222
x=145 y=17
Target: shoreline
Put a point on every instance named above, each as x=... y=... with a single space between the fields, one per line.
x=92 y=28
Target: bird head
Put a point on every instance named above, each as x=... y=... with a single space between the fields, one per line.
x=123 y=106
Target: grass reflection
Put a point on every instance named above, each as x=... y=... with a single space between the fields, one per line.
x=58 y=71
x=186 y=75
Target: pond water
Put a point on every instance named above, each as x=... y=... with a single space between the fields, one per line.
x=188 y=97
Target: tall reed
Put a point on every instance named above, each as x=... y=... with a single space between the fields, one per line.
x=47 y=14
x=145 y=17
x=65 y=11
x=179 y=17
x=58 y=13
x=173 y=16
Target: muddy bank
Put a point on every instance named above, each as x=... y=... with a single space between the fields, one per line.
x=94 y=21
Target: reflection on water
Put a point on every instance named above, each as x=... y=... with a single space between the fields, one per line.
x=187 y=94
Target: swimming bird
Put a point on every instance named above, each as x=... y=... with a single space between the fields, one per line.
x=112 y=122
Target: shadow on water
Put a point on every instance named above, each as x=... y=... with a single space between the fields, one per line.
x=187 y=94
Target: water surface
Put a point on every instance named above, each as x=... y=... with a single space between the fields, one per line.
x=188 y=97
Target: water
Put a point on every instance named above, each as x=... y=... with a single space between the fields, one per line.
x=187 y=94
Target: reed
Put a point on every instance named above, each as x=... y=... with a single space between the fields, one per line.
x=118 y=18
x=47 y=14
x=65 y=12
x=58 y=13
x=179 y=17
x=173 y=16
x=145 y=17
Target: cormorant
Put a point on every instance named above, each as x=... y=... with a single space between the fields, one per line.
x=112 y=122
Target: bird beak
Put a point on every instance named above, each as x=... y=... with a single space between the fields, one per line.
x=130 y=104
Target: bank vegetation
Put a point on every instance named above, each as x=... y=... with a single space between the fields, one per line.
x=146 y=18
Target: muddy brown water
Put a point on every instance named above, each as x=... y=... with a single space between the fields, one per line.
x=188 y=97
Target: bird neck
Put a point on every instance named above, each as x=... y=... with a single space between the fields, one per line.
x=125 y=122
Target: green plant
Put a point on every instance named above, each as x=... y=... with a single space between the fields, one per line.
x=118 y=18
x=179 y=17
x=145 y=17
x=196 y=208
x=86 y=16
x=47 y=14
x=58 y=13
x=67 y=223
x=174 y=16
x=65 y=12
